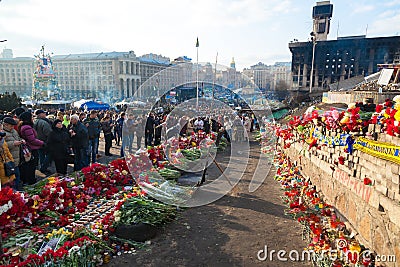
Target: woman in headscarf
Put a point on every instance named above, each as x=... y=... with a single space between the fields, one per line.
x=58 y=143
x=28 y=133
x=5 y=156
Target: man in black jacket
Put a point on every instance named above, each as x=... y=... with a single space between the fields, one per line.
x=43 y=129
x=80 y=143
x=149 y=135
x=94 y=128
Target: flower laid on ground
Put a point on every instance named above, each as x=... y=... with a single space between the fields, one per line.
x=70 y=218
x=15 y=212
x=322 y=227
x=367 y=181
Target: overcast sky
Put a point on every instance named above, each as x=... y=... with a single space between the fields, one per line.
x=251 y=31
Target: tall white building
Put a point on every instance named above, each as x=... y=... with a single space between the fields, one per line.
x=16 y=75
x=267 y=77
x=107 y=76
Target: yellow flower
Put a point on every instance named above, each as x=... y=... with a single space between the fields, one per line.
x=72 y=183
x=397 y=115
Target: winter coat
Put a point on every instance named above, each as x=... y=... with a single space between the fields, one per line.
x=43 y=129
x=81 y=138
x=58 y=143
x=30 y=136
x=140 y=128
x=10 y=138
x=128 y=127
x=119 y=125
x=106 y=127
x=5 y=156
x=93 y=127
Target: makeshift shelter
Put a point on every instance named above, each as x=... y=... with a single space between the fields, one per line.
x=90 y=105
x=79 y=103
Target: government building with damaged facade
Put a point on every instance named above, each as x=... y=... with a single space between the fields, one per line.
x=329 y=64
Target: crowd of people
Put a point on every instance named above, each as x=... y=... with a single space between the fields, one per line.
x=34 y=139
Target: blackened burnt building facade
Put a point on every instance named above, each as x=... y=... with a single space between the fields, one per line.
x=341 y=59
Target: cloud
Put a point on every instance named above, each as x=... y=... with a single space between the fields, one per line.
x=363 y=8
x=392 y=3
x=158 y=26
x=386 y=24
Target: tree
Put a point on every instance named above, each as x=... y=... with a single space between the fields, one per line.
x=9 y=101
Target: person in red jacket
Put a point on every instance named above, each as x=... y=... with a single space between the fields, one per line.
x=28 y=133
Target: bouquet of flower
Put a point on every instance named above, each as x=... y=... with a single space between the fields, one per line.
x=14 y=211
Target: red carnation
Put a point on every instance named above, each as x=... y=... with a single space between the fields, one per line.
x=379 y=108
x=341 y=160
x=367 y=181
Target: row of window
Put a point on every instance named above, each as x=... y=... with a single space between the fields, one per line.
x=8 y=70
x=83 y=63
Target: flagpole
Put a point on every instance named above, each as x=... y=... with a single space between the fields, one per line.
x=197 y=74
x=214 y=80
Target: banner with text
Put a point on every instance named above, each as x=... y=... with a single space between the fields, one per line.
x=381 y=150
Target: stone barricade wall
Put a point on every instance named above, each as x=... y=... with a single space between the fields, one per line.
x=372 y=211
x=358 y=96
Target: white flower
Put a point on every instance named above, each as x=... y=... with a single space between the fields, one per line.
x=117 y=215
x=6 y=207
x=396 y=98
x=61 y=192
x=351 y=105
x=73 y=249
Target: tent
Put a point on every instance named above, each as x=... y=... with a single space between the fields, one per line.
x=130 y=103
x=90 y=105
x=78 y=104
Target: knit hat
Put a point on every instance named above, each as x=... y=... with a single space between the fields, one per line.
x=9 y=121
x=55 y=123
x=25 y=116
x=39 y=111
x=18 y=111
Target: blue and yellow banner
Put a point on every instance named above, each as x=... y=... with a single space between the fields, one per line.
x=338 y=140
x=377 y=149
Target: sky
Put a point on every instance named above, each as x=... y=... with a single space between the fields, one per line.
x=250 y=31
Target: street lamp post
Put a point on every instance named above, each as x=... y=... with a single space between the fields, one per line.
x=314 y=42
